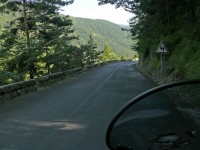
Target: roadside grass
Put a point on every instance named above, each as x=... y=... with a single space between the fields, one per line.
x=184 y=96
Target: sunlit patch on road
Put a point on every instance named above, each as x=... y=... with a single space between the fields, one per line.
x=31 y=125
x=61 y=125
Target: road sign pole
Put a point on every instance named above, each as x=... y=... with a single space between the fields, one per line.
x=161 y=62
x=161 y=49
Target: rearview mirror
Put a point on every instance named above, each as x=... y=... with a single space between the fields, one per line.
x=151 y=121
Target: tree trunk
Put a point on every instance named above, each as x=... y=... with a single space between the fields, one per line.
x=193 y=12
x=47 y=61
x=26 y=24
x=27 y=38
x=167 y=7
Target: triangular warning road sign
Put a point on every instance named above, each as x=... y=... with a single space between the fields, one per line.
x=162 y=49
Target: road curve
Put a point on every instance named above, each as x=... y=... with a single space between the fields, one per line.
x=72 y=115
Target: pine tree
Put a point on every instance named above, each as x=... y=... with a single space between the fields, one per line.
x=108 y=54
x=89 y=53
x=32 y=37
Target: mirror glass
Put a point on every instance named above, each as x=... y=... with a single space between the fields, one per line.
x=156 y=123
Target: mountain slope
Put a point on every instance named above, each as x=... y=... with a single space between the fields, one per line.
x=103 y=32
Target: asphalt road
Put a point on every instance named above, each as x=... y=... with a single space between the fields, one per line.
x=72 y=115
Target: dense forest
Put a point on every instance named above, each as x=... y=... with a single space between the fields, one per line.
x=35 y=40
x=176 y=23
x=104 y=33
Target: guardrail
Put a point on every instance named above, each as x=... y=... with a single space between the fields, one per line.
x=10 y=91
x=54 y=78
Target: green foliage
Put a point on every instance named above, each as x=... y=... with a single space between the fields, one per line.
x=193 y=69
x=35 y=41
x=123 y=58
x=89 y=53
x=104 y=32
x=8 y=77
x=176 y=23
x=108 y=54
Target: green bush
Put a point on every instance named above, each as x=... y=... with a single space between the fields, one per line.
x=8 y=77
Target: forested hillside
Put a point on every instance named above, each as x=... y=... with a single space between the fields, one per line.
x=104 y=33
x=35 y=40
x=177 y=24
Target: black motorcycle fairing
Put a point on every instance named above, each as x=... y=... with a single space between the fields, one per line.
x=123 y=131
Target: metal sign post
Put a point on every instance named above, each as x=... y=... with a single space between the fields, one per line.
x=161 y=62
x=161 y=49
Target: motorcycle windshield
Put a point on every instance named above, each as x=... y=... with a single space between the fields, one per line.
x=153 y=121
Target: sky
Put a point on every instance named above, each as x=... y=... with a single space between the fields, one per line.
x=90 y=9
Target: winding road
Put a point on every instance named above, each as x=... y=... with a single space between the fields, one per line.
x=71 y=115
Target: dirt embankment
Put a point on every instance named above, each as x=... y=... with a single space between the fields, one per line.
x=186 y=98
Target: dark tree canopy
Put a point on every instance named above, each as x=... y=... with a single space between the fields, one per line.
x=35 y=39
x=176 y=23
x=128 y=5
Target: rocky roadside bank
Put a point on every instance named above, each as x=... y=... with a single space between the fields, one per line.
x=189 y=111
